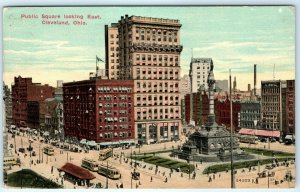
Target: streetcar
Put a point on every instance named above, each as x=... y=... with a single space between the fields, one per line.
x=105 y=153
x=89 y=164
x=10 y=161
x=109 y=171
x=48 y=150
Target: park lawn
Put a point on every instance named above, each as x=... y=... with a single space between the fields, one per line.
x=29 y=179
x=164 y=162
x=239 y=165
x=267 y=152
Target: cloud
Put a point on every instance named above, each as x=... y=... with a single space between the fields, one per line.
x=230 y=44
x=37 y=41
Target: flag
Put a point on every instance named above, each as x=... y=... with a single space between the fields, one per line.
x=98 y=59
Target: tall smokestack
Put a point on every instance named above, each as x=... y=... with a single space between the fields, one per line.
x=254 y=79
x=234 y=84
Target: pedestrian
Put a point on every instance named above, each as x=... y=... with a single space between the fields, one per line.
x=121 y=186
x=214 y=176
x=151 y=179
x=209 y=179
x=219 y=175
x=117 y=185
x=51 y=169
x=170 y=174
x=181 y=175
x=140 y=183
x=166 y=179
x=136 y=185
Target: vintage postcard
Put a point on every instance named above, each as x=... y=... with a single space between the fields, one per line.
x=171 y=97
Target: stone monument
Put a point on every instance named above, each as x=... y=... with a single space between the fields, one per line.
x=210 y=142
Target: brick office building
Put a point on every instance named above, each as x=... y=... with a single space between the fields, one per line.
x=290 y=108
x=149 y=53
x=200 y=109
x=222 y=111
x=24 y=92
x=99 y=110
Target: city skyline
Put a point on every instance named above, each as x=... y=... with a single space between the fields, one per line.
x=234 y=37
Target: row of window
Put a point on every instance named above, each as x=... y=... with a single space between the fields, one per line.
x=157 y=57
x=114 y=127
x=114 y=112
x=114 y=89
x=115 y=105
x=115 y=135
x=114 y=97
x=149 y=85
x=155 y=35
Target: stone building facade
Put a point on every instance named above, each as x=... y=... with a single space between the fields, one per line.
x=250 y=112
x=271 y=104
x=112 y=64
x=149 y=54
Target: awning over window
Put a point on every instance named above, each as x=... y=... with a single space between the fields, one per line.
x=265 y=133
x=83 y=141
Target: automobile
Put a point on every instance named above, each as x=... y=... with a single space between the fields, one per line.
x=263 y=139
x=22 y=150
x=269 y=167
x=11 y=146
x=272 y=140
x=262 y=174
x=33 y=153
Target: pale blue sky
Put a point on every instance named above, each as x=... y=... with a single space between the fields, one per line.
x=235 y=37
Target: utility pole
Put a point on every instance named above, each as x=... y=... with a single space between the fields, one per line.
x=107 y=174
x=231 y=134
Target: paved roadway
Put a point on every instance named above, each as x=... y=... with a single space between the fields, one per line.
x=158 y=181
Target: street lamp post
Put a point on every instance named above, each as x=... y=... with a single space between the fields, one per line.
x=231 y=135
x=15 y=143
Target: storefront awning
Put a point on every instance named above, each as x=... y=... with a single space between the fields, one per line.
x=92 y=143
x=265 y=133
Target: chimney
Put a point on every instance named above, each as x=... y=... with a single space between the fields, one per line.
x=249 y=87
x=254 y=79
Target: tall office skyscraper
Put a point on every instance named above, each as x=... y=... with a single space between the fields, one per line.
x=149 y=53
x=199 y=68
x=112 y=51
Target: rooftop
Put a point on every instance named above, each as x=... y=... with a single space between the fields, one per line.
x=76 y=171
x=201 y=60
